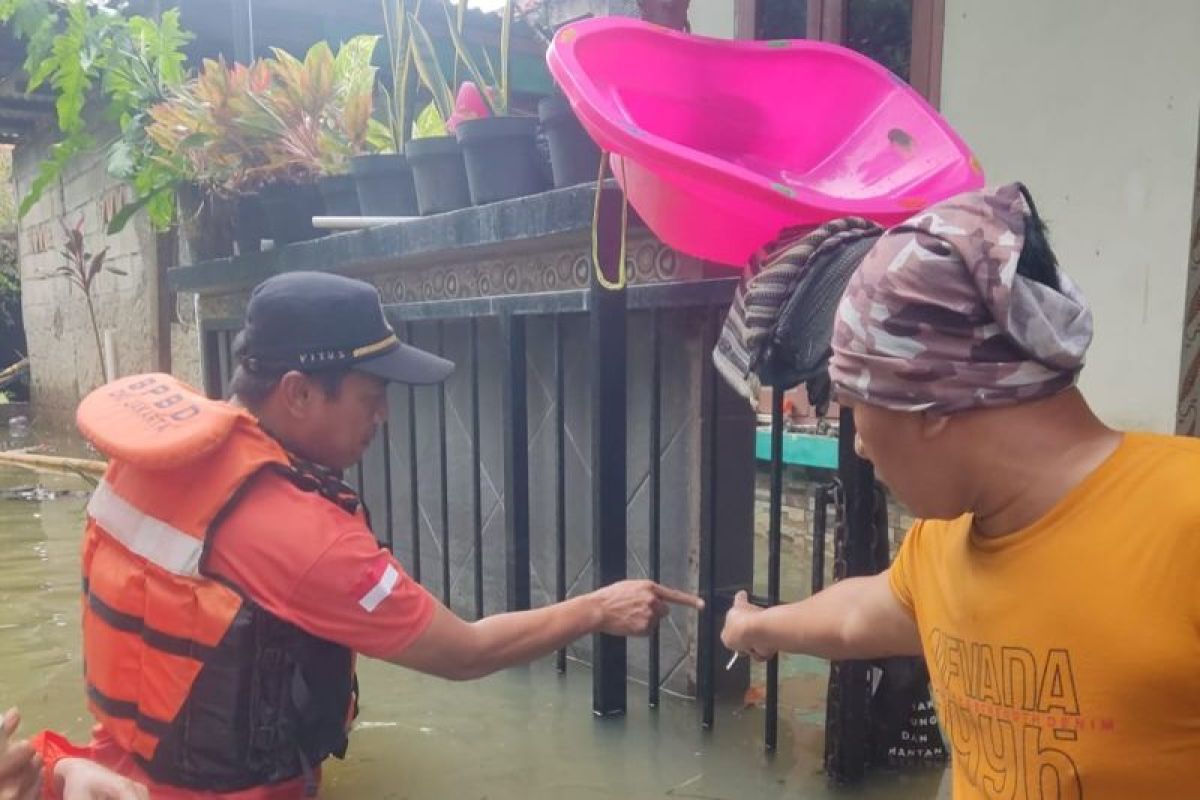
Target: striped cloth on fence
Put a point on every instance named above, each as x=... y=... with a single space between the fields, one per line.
x=775 y=271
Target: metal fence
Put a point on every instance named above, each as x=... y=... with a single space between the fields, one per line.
x=393 y=474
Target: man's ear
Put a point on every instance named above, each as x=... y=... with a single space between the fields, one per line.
x=933 y=425
x=296 y=393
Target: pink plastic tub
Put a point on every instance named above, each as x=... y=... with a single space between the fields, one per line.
x=719 y=144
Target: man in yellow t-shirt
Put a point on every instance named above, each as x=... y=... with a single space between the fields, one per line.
x=1051 y=584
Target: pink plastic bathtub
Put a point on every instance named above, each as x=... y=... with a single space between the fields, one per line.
x=720 y=144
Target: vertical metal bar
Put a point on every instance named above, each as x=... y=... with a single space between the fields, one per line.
x=821 y=502
x=560 y=476
x=707 y=635
x=414 y=486
x=516 y=466
x=166 y=246
x=847 y=720
x=607 y=357
x=225 y=354
x=655 y=532
x=388 y=517
x=445 y=471
x=476 y=468
x=210 y=363
x=774 y=538
x=857 y=477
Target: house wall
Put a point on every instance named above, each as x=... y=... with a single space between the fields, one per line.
x=716 y=19
x=62 y=349
x=1095 y=106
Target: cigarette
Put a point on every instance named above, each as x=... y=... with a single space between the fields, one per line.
x=732 y=661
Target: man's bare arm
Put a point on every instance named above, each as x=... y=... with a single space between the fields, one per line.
x=854 y=618
x=453 y=648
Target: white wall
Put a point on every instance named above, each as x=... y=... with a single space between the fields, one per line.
x=1095 y=107
x=713 y=18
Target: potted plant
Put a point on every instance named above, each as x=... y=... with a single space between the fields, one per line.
x=296 y=115
x=574 y=156
x=436 y=159
x=382 y=178
x=499 y=149
x=349 y=128
x=311 y=119
x=201 y=126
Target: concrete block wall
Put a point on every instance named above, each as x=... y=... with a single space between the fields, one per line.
x=800 y=486
x=58 y=329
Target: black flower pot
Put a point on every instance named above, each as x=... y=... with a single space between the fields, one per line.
x=502 y=158
x=574 y=156
x=289 y=208
x=340 y=195
x=439 y=175
x=249 y=224
x=206 y=220
x=385 y=185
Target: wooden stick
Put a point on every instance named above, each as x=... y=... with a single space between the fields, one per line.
x=12 y=372
x=59 y=463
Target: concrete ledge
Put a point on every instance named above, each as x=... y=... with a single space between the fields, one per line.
x=506 y=226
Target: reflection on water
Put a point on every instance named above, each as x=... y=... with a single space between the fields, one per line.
x=527 y=733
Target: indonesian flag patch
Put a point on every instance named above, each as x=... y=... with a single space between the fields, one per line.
x=376 y=583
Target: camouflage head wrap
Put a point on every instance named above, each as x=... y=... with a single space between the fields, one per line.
x=937 y=319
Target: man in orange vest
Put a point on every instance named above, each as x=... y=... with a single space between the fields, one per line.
x=230 y=576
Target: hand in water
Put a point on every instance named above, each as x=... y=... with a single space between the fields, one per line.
x=633 y=608
x=20 y=765
x=736 y=635
x=87 y=780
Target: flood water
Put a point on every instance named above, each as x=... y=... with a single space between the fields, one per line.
x=526 y=733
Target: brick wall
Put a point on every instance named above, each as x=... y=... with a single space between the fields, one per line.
x=61 y=344
x=800 y=485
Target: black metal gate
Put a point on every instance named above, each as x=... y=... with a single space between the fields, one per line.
x=877 y=712
x=861 y=722
x=410 y=461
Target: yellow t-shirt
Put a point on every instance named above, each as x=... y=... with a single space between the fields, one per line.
x=1065 y=658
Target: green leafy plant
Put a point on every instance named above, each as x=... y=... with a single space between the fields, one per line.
x=147 y=65
x=66 y=49
x=317 y=111
x=430 y=122
x=494 y=86
x=236 y=128
x=429 y=69
x=397 y=101
x=81 y=269
x=78 y=47
x=205 y=127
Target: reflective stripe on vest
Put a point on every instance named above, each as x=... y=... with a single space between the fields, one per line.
x=153 y=539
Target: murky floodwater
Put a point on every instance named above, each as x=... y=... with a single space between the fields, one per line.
x=527 y=733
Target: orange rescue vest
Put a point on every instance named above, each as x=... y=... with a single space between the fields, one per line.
x=207 y=689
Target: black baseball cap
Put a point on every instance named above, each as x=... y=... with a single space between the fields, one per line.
x=314 y=321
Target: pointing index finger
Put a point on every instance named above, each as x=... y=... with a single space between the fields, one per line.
x=678 y=597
